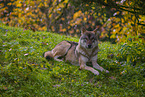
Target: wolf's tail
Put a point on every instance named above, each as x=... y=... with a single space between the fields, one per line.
x=48 y=55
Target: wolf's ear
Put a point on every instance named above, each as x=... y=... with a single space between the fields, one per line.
x=96 y=31
x=83 y=30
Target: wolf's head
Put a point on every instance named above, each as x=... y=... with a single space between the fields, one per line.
x=88 y=39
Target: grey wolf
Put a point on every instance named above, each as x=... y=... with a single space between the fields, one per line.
x=80 y=53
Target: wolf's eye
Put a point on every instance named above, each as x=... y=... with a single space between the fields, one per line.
x=84 y=39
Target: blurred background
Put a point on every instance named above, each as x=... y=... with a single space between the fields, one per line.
x=117 y=20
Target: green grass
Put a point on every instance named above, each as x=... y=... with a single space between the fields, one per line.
x=24 y=71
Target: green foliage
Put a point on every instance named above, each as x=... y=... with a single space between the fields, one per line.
x=132 y=53
x=24 y=72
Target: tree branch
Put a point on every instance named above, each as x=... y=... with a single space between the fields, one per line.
x=112 y=4
x=58 y=17
x=141 y=24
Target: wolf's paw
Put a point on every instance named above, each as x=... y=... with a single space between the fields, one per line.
x=96 y=73
x=46 y=56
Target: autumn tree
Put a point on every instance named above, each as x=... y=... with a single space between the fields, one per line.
x=115 y=19
x=127 y=21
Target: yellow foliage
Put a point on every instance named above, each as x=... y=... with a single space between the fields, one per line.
x=38 y=19
x=99 y=14
x=78 y=21
x=19 y=5
x=23 y=18
x=122 y=20
x=105 y=1
x=45 y=4
x=68 y=27
x=71 y=31
x=19 y=21
x=90 y=21
x=78 y=30
x=87 y=4
x=117 y=20
x=77 y=14
x=1 y=5
x=93 y=7
x=50 y=15
x=65 y=1
x=86 y=13
x=85 y=19
x=117 y=12
x=28 y=13
x=116 y=26
x=9 y=3
x=64 y=30
x=63 y=19
x=59 y=12
x=42 y=28
x=93 y=23
x=32 y=4
x=142 y=18
x=40 y=5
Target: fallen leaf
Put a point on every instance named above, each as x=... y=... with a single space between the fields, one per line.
x=112 y=77
x=56 y=85
x=26 y=54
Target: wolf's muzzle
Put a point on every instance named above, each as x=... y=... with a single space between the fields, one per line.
x=89 y=46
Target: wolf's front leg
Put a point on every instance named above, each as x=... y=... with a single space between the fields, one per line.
x=96 y=65
x=56 y=58
x=83 y=66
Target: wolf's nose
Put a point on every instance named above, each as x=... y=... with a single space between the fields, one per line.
x=89 y=46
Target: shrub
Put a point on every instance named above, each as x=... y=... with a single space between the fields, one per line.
x=132 y=53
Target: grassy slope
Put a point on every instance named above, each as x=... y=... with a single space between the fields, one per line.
x=24 y=72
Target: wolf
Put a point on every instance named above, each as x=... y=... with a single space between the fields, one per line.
x=80 y=53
